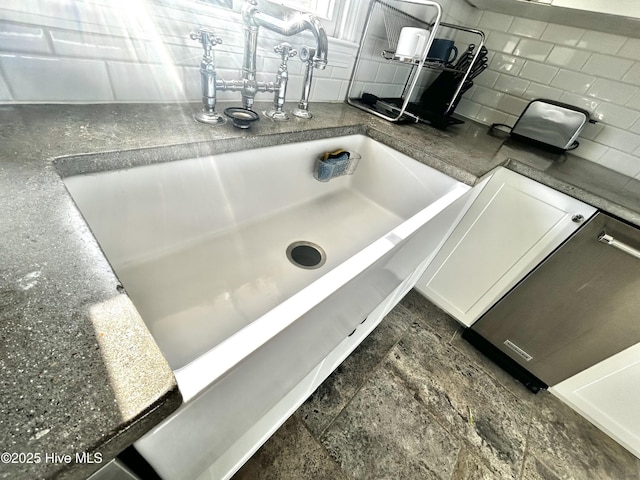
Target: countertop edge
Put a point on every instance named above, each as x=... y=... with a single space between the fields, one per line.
x=585 y=196
x=130 y=432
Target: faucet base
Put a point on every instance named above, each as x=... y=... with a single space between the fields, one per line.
x=301 y=113
x=277 y=115
x=210 y=118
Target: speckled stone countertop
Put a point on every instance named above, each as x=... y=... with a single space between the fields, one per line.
x=79 y=371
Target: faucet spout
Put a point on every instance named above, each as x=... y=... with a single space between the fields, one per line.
x=286 y=21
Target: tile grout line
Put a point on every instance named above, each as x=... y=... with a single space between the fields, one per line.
x=368 y=377
x=525 y=453
x=322 y=447
x=317 y=439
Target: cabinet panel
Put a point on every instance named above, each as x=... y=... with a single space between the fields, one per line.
x=608 y=394
x=512 y=225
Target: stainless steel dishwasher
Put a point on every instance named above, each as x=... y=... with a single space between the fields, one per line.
x=580 y=306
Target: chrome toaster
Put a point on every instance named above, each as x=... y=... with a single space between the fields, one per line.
x=551 y=124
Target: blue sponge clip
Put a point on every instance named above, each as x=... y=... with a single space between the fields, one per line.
x=335 y=164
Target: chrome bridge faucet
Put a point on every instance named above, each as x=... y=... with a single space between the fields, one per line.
x=282 y=20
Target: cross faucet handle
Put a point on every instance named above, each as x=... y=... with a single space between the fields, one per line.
x=285 y=50
x=206 y=37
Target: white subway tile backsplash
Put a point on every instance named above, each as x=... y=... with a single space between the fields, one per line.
x=487 y=96
x=488 y=116
x=47 y=79
x=513 y=105
x=134 y=82
x=601 y=42
x=633 y=75
x=337 y=72
x=386 y=73
x=459 y=14
x=511 y=85
x=343 y=90
x=617 y=116
x=487 y=79
x=527 y=28
x=5 y=94
x=590 y=150
x=179 y=54
x=501 y=42
x=154 y=52
x=495 y=21
x=607 y=66
x=573 y=81
x=340 y=59
x=591 y=130
x=612 y=91
x=87 y=16
x=562 y=35
x=328 y=90
x=294 y=89
x=79 y=44
x=538 y=72
x=191 y=81
x=533 y=49
x=402 y=72
x=588 y=103
x=367 y=69
x=620 y=162
x=538 y=90
x=21 y=38
x=630 y=49
x=468 y=108
x=620 y=139
x=568 y=57
x=506 y=64
x=388 y=91
x=511 y=120
x=634 y=102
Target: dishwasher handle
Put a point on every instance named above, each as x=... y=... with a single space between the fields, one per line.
x=609 y=240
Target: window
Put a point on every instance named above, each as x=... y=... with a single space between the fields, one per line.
x=321 y=8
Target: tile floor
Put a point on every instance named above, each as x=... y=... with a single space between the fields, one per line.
x=415 y=401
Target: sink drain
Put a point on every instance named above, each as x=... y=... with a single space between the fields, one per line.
x=306 y=255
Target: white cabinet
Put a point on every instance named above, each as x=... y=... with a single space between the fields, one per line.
x=623 y=8
x=619 y=16
x=608 y=394
x=512 y=225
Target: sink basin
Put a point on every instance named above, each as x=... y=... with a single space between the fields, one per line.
x=206 y=249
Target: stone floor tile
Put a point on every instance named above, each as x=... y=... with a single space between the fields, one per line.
x=433 y=318
x=324 y=405
x=430 y=316
x=572 y=448
x=290 y=454
x=469 y=403
x=471 y=467
x=385 y=433
x=534 y=469
x=494 y=370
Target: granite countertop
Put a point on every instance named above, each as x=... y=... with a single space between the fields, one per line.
x=79 y=369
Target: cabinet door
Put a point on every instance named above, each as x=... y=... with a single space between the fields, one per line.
x=512 y=225
x=608 y=395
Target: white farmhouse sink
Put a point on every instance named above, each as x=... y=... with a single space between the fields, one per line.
x=200 y=246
